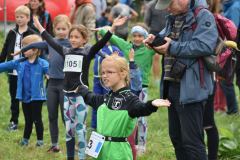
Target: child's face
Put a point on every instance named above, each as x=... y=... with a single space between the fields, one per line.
x=35 y=4
x=61 y=30
x=76 y=39
x=112 y=77
x=137 y=39
x=21 y=19
x=30 y=53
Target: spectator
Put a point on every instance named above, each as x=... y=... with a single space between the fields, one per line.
x=84 y=13
x=122 y=10
x=37 y=8
x=186 y=82
x=209 y=124
x=100 y=7
x=231 y=9
x=155 y=20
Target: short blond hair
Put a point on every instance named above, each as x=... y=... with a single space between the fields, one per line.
x=32 y=39
x=22 y=10
x=62 y=18
x=121 y=64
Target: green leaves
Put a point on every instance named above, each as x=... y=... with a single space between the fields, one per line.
x=229 y=144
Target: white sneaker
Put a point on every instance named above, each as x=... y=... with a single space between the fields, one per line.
x=140 y=150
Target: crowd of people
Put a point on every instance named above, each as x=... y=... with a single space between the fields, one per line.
x=49 y=59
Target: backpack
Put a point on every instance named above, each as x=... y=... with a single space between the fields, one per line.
x=224 y=60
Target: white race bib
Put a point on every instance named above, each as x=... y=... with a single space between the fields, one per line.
x=95 y=144
x=73 y=63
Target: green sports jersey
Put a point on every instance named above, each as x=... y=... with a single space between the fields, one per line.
x=115 y=123
x=143 y=56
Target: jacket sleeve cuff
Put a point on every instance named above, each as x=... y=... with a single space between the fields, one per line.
x=132 y=65
x=83 y=90
x=151 y=107
x=172 y=49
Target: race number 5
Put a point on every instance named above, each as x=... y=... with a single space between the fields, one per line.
x=73 y=63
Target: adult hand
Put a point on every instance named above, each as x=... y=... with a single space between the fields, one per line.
x=149 y=40
x=163 y=48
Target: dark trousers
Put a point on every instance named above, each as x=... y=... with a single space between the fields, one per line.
x=186 y=126
x=33 y=114
x=229 y=92
x=210 y=128
x=55 y=98
x=14 y=102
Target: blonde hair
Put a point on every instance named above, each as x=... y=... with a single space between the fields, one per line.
x=82 y=30
x=32 y=39
x=121 y=64
x=23 y=10
x=62 y=18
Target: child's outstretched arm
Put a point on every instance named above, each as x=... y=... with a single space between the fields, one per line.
x=135 y=75
x=38 y=45
x=100 y=44
x=123 y=45
x=90 y=98
x=48 y=37
x=10 y=65
x=140 y=109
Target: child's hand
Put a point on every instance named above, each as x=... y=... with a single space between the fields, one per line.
x=37 y=24
x=15 y=53
x=118 y=22
x=131 y=55
x=161 y=103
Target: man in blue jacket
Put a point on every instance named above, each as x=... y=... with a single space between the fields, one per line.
x=186 y=82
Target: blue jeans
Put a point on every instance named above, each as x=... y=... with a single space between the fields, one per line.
x=228 y=90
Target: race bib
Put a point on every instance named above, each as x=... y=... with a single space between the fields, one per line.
x=73 y=63
x=95 y=144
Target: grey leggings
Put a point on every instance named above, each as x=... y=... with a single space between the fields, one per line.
x=54 y=99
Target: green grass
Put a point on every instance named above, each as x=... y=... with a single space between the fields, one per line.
x=159 y=146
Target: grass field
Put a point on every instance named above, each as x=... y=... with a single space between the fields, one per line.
x=159 y=146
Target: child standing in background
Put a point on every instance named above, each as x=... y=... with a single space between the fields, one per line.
x=13 y=43
x=76 y=68
x=30 y=88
